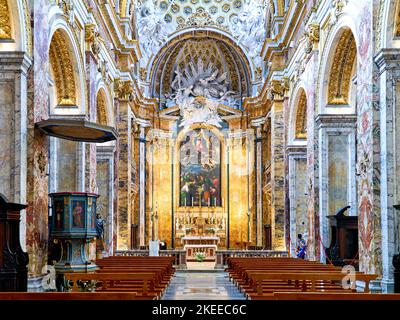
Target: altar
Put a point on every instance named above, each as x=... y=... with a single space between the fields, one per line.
x=196 y=244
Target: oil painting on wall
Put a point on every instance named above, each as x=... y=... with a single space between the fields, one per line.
x=200 y=169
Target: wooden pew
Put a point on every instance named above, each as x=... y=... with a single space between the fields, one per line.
x=141 y=283
x=71 y=296
x=260 y=278
x=333 y=296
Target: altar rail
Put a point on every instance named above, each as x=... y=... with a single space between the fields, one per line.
x=179 y=255
x=221 y=255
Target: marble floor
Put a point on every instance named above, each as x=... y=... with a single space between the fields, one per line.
x=202 y=286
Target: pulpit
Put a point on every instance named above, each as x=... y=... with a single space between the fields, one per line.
x=344 y=244
x=74 y=225
x=13 y=260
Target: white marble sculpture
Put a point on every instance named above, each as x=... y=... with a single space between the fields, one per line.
x=198 y=91
x=249 y=26
x=153 y=30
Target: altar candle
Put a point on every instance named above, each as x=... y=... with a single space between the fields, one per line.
x=215 y=201
x=209 y=201
x=192 y=201
x=185 y=201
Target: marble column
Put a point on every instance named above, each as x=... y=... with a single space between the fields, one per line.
x=37 y=165
x=142 y=182
x=90 y=148
x=124 y=176
x=277 y=174
x=259 y=180
x=13 y=129
x=105 y=179
x=298 y=218
x=388 y=62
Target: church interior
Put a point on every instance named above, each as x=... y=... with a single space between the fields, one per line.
x=176 y=145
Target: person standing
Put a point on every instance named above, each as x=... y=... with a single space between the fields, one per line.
x=301 y=247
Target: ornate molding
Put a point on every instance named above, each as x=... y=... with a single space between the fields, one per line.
x=341 y=68
x=199 y=19
x=61 y=62
x=29 y=40
x=277 y=89
x=124 y=89
x=312 y=37
x=5 y=24
x=301 y=117
x=338 y=7
x=93 y=39
x=66 y=6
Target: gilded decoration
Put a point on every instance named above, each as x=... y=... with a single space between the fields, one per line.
x=200 y=19
x=397 y=20
x=124 y=89
x=5 y=24
x=93 y=39
x=338 y=7
x=301 y=117
x=277 y=89
x=312 y=37
x=341 y=70
x=219 y=53
x=29 y=41
x=101 y=108
x=62 y=65
x=66 y=6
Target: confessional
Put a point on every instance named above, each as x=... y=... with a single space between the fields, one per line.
x=13 y=260
x=343 y=248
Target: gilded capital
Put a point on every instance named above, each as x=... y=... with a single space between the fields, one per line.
x=277 y=89
x=312 y=37
x=124 y=89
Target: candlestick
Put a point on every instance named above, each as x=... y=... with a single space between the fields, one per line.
x=185 y=201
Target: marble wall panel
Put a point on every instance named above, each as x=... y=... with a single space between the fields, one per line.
x=338 y=169
x=6 y=126
x=278 y=176
x=66 y=171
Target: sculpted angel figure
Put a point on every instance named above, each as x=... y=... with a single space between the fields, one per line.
x=249 y=26
x=152 y=28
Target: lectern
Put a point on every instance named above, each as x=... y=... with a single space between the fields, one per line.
x=13 y=260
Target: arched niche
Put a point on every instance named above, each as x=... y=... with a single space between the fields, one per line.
x=63 y=71
x=15 y=28
x=210 y=46
x=301 y=116
x=101 y=107
x=342 y=69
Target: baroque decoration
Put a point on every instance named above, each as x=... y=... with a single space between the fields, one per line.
x=152 y=28
x=5 y=25
x=198 y=91
x=249 y=26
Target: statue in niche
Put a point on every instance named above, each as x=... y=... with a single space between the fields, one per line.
x=249 y=26
x=100 y=225
x=198 y=91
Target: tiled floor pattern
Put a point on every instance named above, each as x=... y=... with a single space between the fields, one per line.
x=202 y=286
